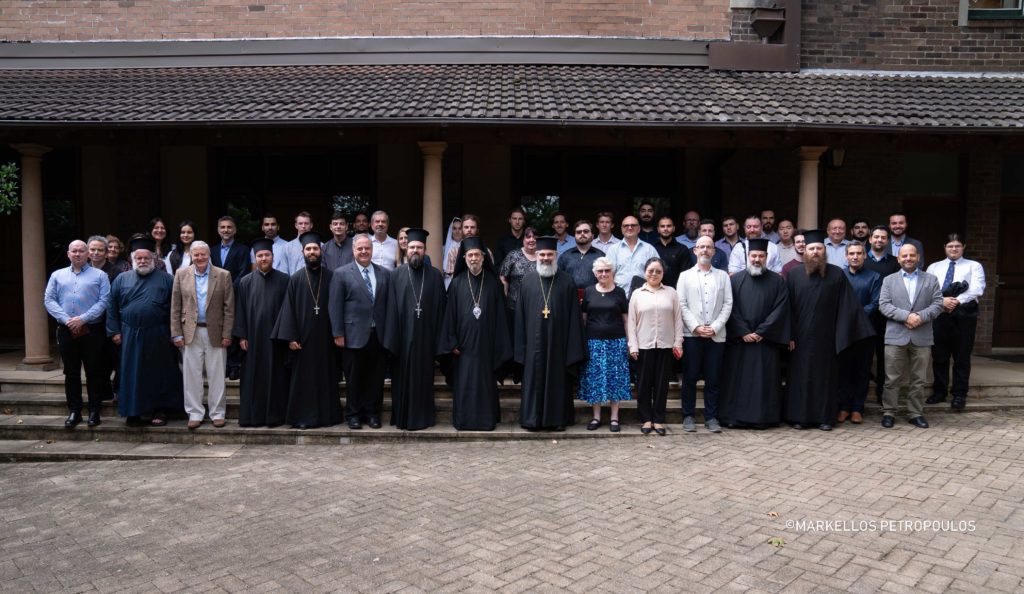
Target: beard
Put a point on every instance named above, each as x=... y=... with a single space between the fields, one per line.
x=547 y=270
x=704 y=260
x=313 y=262
x=815 y=265
x=415 y=261
x=475 y=269
x=143 y=269
x=693 y=234
x=755 y=270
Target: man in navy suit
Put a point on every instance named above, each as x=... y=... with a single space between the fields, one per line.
x=232 y=256
x=358 y=308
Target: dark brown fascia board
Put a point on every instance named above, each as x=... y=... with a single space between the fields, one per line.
x=762 y=57
x=455 y=122
x=354 y=50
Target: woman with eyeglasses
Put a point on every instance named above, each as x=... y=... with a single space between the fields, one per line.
x=605 y=379
x=654 y=331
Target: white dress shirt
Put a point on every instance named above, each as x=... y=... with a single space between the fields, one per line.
x=385 y=252
x=965 y=270
x=705 y=299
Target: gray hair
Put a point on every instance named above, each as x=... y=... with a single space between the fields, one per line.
x=380 y=212
x=99 y=238
x=602 y=262
x=198 y=244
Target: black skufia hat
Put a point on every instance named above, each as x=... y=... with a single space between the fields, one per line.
x=547 y=243
x=262 y=244
x=419 y=235
x=757 y=245
x=309 y=237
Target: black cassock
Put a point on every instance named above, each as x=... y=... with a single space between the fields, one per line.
x=825 y=318
x=549 y=348
x=313 y=388
x=752 y=379
x=264 y=386
x=412 y=340
x=483 y=344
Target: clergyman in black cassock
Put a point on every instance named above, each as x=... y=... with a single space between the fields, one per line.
x=416 y=303
x=306 y=326
x=475 y=332
x=825 y=319
x=264 y=387
x=752 y=385
x=549 y=342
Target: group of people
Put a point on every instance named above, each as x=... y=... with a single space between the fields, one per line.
x=781 y=324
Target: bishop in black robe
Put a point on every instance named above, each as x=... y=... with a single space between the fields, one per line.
x=752 y=383
x=264 y=386
x=416 y=304
x=304 y=324
x=825 y=318
x=475 y=332
x=550 y=343
x=140 y=312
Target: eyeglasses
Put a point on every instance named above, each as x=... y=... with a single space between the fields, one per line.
x=603 y=271
x=630 y=225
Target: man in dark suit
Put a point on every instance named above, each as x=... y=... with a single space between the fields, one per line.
x=232 y=256
x=358 y=308
x=910 y=300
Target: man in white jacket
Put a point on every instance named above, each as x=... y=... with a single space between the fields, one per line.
x=705 y=298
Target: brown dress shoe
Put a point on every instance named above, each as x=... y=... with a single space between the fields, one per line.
x=856 y=418
x=843 y=415
x=194 y=424
x=219 y=423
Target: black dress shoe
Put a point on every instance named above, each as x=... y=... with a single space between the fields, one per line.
x=354 y=423
x=660 y=431
x=958 y=403
x=825 y=427
x=797 y=426
x=887 y=421
x=73 y=420
x=374 y=423
x=233 y=374
x=919 y=422
x=302 y=426
x=645 y=430
x=935 y=399
x=94 y=419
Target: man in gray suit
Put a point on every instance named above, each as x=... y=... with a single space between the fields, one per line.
x=910 y=300
x=358 y=307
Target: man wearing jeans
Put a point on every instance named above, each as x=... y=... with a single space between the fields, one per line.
x=76 y=297
x=705 y=296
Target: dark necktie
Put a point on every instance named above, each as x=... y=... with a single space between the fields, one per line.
x=949 y=275
x=369 y=285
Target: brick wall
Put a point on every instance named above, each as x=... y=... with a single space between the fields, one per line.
x=906 y=35
x=52 y=20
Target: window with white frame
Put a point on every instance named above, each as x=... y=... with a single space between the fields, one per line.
x=990 y=10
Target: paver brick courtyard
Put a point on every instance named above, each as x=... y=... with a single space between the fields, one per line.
x=776 y=510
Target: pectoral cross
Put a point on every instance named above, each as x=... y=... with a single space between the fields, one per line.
x=316 y=309
x=418 y=310
x=545 y=311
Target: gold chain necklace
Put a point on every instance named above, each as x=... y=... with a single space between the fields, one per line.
x=546 y=311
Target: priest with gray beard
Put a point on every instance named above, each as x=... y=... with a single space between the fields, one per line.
x=757 y=333
x=416 y=304
x=549 y=342
x=139 y=321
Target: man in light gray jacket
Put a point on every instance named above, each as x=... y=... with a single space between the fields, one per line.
x=705 y=298
x=910 y=300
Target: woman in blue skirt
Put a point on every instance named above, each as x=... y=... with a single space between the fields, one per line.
x=605 y=378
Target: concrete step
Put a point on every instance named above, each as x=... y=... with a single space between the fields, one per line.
x=51 y=427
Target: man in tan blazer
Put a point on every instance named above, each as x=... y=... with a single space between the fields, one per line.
x=202 y=315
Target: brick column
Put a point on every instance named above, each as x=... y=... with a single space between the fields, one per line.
x=807 y=209
x=33 y=259
x=984 y=193
x=432 y=200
